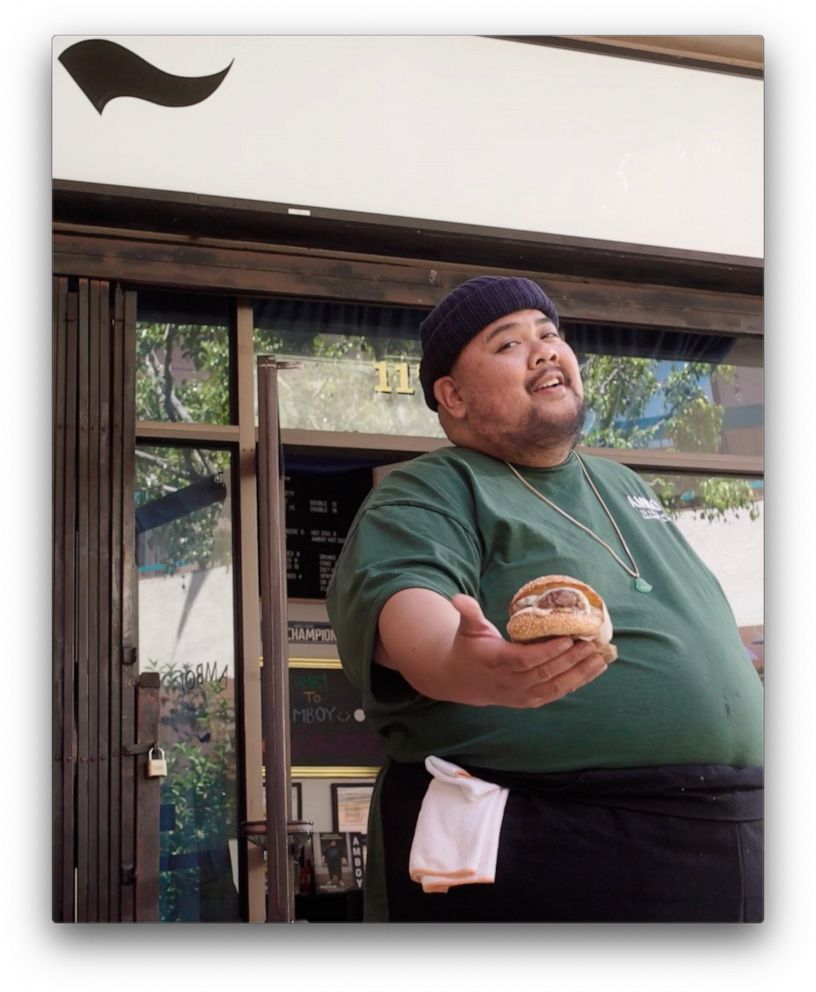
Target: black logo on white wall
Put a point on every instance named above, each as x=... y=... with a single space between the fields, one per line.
x=104 y=70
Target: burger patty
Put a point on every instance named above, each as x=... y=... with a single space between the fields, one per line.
x=555 y=599
x=564 y=599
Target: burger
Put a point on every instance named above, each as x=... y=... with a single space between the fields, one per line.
x=560 y=606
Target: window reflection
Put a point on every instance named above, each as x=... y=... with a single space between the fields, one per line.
x=359 y=366
x=645 y=387
x=182 y=358
x=685 y=392
x=184 y=559
x=680 y=406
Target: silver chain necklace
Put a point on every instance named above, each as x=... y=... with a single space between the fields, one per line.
x=639 y=582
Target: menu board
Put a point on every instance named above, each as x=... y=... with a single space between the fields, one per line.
x=328 y=723
x=319 y=510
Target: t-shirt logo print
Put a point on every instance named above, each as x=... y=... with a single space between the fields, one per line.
x=650 y=509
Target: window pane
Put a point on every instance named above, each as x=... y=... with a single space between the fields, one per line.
x=681 y=392
x=360 y=366
x=182 y=357
x=723 y=520
x=186 y=634
x=644 y=387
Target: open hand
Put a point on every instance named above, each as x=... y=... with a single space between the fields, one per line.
x=448 y=650
x=499 y=672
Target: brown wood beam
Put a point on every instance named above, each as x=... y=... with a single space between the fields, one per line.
x=395 y=282
x=148 y=431
x=145 y=213
x=392 y=447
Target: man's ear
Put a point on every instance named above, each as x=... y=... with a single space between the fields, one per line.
x=449 y=398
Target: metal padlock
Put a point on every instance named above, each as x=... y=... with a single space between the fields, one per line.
x=156 y=767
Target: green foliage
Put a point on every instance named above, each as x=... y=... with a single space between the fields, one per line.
x=182 y=375
x=335 y=390
x=198 y=734
x=718 y=497
x=163 y=392
x=710 y=498
x=697 y=427
x=618 y=392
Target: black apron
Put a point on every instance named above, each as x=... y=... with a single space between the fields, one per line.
x=682 y=843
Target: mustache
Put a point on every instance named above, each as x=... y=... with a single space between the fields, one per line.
x=538 y=377
x=104 y=71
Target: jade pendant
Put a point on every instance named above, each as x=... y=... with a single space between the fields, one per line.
x=642 y=585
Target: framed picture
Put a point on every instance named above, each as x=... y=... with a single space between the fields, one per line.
x=297 y=801
x=332 y=864
x=350 y=804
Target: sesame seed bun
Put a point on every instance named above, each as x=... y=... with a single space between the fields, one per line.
x=587 y=621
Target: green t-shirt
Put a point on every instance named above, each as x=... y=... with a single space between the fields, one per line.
x=682 y=691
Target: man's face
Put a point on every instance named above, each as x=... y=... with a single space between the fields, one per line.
x=517 y=387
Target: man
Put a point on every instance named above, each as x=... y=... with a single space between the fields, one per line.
x=633 y=790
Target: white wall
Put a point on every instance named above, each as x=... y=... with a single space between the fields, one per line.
x=459 y=129
x=187 y=620
x=733 y=550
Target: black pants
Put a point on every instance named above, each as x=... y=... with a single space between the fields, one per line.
x=680 y=844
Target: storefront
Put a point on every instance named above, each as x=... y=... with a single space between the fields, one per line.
x=315 y=217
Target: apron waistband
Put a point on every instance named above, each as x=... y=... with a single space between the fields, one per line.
x=704 y=792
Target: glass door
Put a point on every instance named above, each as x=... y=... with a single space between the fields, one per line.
x=186 y=635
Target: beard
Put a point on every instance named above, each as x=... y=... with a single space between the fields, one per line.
x=538 y=434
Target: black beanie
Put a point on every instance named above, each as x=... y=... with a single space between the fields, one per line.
x=467 y=310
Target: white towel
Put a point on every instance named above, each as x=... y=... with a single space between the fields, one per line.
x=456 y=841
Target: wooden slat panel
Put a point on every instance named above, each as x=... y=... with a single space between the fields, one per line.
x=94 y=567
x=129 y=629
x=62 y=798
x=129 y=589
x=103 y=610
x=82 y=607
x=58 y=293
x=92 y=595
x=117 y=760
x=69 y=737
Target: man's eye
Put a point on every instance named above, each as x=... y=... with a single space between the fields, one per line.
x=507 y=344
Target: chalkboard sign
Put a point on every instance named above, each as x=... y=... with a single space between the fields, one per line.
x=319 y=510
x=327 y=722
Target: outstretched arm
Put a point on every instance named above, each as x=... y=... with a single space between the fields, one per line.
x=448 y=650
